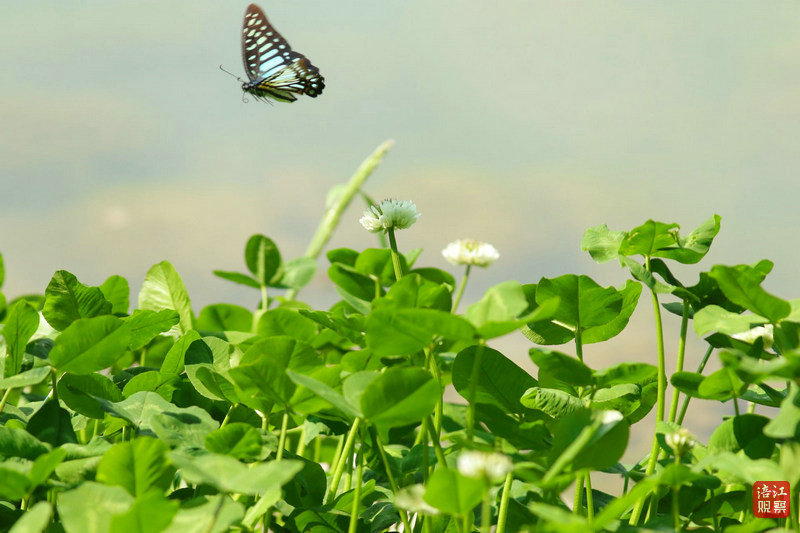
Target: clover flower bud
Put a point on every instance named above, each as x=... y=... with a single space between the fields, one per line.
x=410 y=498
x=389 y=214
x=490 y=466
x=470 y=252
x=680 y=441
x=751 y=335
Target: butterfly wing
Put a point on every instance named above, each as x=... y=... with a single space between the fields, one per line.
x=274 y=69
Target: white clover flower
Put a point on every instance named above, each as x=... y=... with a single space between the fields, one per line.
x=751 y=335
x=680 y=441
x=491 y=466
x=389 y=214
x=470 y=252
x=411 y=499
x=610 y=417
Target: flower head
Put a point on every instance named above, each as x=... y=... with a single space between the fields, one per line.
x=410 y=499
x=751 y=335
x=680 y=441
x=470 y=252
x=389 y=214
x=490 y=466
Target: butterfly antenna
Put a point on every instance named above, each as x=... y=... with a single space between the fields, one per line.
x=229 y=73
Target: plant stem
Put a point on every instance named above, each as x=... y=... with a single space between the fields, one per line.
x=437 y=447
x=348 y=447
x=502 y=513
x=473 y=391
x=337 y=454
x=264 y=298
x=6 y=394
x=578 y=498
x=354 y=511
x=589 y=497
x=439 y=409
x=227 y=416
x=461 y=288
x=676 y=510
x=398 y=266
x=282 y=438
x=392 y=482
x=700 y=369
x=331 y=218
x=673 y=408
x=54 y=385
x=301 y=441
x=662 y=387
x=486 y=509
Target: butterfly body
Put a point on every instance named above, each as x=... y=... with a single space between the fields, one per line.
x=275 y=70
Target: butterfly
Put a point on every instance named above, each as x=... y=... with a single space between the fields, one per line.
x=274 y=69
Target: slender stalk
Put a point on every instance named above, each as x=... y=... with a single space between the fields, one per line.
x=502 y=513
x=143 y=358
x=486 y=509
x=676 y=509
x=437 y=447
x=213 y=522
x=331 y=218
x=461 y=288
x=348 y=447
x=700 y=369
x=439 y=409
x=589 y=498
x=264 y=298
x=662 y=387
x=577 y=504
x=54 y=384
x=282 y=438
x=337 y=454
x=6 y=394
x=425 y=459
x=398 y=266
x=673 y=408
x=473 y=391
x=301 y=442
x=354 y=511
x=227 y=416
x=392 y=482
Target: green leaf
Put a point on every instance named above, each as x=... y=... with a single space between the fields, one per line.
x=297 y=273
x=237 y=439
x=609 y=438
x=67 y=300
x=695 y=246
x=636 y=373
x=262 y=258
x=226 y=474
x=500 y=303
x=21 y=323
x=785 y=424
x=90 y=507
x=630 y=298
x=399 y=396
x=286 y=322
x=722 y=385
x=15 y=485
x=217 y=515
x=714 y=318
x=742 y=286
x=90 y=344
x=326 y=392
x=743 y=432
x=153 y=380
x=141 y=408
x=146 y=325
x=649 y=238
x=602 y=243
x=562 y=367
x=35 y=519
x=44 y=466
x=237 y=277
x=80 y=393
x=354 y=283
x=139 y=466
x=175 y=359
x=225 y=317
x=583 y=303
x=151 y=513
x=553 y=402
x=116 y=291
x=500 y=381
x=51 y=424
x=34 y=376
x=376 y=263
x=403 y=331
x=452 y=493
x=19 y=443
x=162 y=289
x=413 y=290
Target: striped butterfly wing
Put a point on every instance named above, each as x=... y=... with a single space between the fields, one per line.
x=274 y=69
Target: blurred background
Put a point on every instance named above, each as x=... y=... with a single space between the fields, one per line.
x=517 y=123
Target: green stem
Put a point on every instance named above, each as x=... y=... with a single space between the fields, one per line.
x=398 y=266
x=589 y=498
x=700 y=369
x=662 y=387
x=337 y=454
x=461 y=288
x=354 y=511
x=439 y=409
x=392 y=482
x=473 y=391
x=5 y=398
x=486 y=509
x=54 y=385
x=676 y=509
x=673 y=409
x=348 y=447
x=282 y=438
x=143 y=358
x=301 y=442
x=502 y=513
x=577 y=504
x=437 y=447
x=264 y=298
x=331 y=218
x=227 y=416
